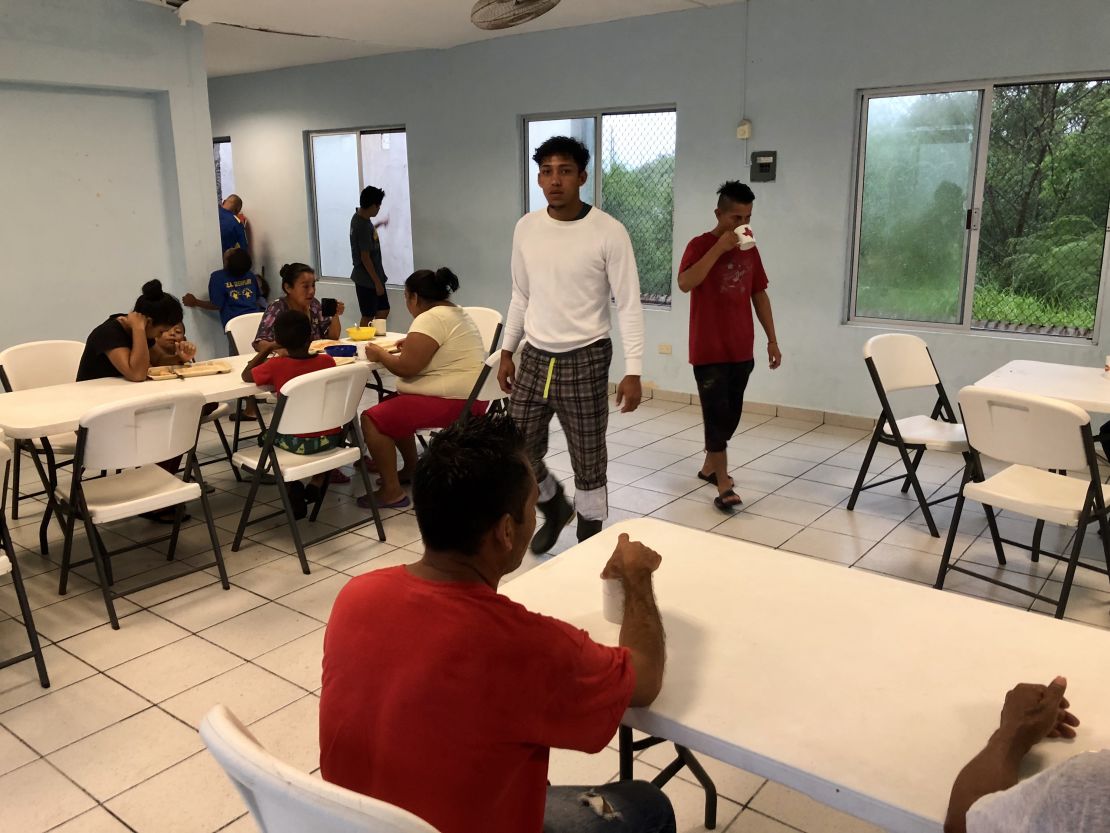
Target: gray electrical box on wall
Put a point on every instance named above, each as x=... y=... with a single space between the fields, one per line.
x=764 y=163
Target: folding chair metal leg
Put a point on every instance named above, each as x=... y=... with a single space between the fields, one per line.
x=866 y=463
x=227 y=450
x=15 y=479
x=911 y=475
x=99 y=558
x=67 y=551
x=1038 y=531
x=320 y=500
x=950 y=541
x=283 y=492
x=178 y=516
x=1073 y=562
x=24 y=608
x=244 y=517
x=360 y=467
x=992 y=524
x=916 y=462
x=207 y=509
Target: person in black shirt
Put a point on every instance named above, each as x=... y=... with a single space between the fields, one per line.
x=367 y=271
x=120 y=347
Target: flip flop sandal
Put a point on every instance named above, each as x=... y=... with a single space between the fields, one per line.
x=403 y=503
x=723 y=503
x=708 y=478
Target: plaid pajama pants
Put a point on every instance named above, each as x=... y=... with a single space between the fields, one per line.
x=579 y=395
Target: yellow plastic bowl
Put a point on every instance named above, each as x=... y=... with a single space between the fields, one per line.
x=360 y=333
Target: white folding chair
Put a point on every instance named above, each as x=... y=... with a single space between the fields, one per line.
x=282 y=799
x=240 y=332
x=488 y=322
x=1041 y=439
x=131 y=438
x=8 y=564
x=317 y=401
x=39 y=364
x=898 y=362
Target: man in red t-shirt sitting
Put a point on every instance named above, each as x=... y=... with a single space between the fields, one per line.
x=724 y=275
x=443 y=697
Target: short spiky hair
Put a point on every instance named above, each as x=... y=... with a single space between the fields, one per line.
x=563 y=146
x=734 y=191
x=370 y=196
x=471 y=477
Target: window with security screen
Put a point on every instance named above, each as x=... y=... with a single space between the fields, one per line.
x=631 y=176
x=985 y=207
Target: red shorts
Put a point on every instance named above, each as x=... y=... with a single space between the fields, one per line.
x=406 y=413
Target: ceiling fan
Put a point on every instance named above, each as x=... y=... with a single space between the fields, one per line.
x=502 y=14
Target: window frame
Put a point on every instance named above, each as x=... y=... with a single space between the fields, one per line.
x=220 y=140
x=597 y=114
x=985 y=88
x=310 y=182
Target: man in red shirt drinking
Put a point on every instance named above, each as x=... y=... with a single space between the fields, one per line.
x=724 y=275
x=443 y=697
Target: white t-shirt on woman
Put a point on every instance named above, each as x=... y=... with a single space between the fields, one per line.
x=456 y=364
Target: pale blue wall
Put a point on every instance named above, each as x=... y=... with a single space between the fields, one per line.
x=806 y=60
x=107 y=172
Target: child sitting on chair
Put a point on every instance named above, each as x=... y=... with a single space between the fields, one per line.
x=172 y=348
x=291 y=359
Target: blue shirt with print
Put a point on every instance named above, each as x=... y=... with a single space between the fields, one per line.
x=234 y=296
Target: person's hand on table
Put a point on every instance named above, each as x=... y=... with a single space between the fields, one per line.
x=631 y=559
x=1033 y=712
x=375 y=352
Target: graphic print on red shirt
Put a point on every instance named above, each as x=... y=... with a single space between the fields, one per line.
x=444 y=698
x=721 y=325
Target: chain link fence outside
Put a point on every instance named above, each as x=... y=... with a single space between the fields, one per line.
x=637 y=187
x=1045 y=202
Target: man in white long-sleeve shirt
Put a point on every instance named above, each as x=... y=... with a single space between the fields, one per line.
x=568 y=260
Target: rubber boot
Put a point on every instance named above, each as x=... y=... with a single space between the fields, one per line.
x=587 y=528
x=557 y=513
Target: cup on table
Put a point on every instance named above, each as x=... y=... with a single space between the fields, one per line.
x=612 y=600
x=1106 y=367
x=747 y=237
x=379 y=325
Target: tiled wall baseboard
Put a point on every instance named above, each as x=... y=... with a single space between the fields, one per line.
x=785 y=411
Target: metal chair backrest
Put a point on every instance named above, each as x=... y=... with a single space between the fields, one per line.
x=901 y=361
x=140 y=431
x=488 y=322
x=1025 y=429
x=241 y=331
x=321 y=400
x=38 y=364
x=285 y=800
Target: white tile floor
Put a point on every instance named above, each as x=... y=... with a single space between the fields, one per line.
x=112 y=747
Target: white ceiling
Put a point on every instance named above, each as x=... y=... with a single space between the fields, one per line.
x=334 y=30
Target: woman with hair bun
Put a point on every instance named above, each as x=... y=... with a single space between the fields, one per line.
x=436 y=366
x=298 y=282
x=121 y=345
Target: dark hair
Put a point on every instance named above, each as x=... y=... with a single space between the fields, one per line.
x=292 y=330
x=734 y=191
x=563 y=146
x=238 y=263
x=370 y=196
x=161 y=308
x=291 y=271
x=432 y=286
x=471 y=477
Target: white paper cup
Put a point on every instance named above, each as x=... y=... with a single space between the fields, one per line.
x=747 y=237
x=379 y=325
x=612 y=600
x=1106 y=367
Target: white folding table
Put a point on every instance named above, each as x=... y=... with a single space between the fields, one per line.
x=1087 y=387
x=864 y=692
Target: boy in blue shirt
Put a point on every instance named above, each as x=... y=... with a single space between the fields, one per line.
x=232 y=291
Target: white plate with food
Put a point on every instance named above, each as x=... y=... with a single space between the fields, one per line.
x=188 y=371
x=161 y=374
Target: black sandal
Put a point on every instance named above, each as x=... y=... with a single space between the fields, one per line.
x=723 y=503
x=708 y=478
